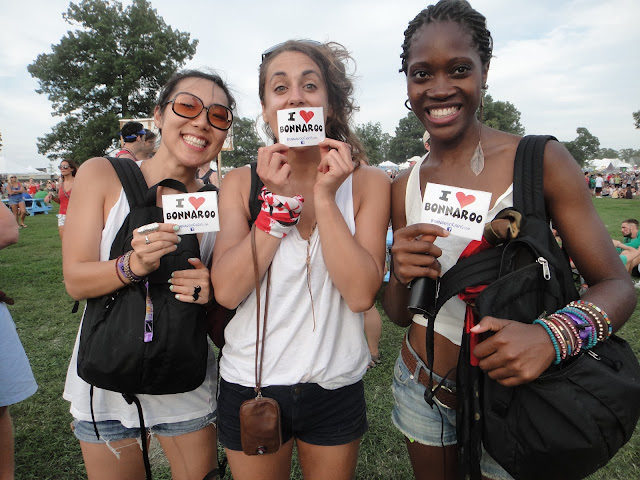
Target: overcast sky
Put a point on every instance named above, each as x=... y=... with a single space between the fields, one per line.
x=564 y=64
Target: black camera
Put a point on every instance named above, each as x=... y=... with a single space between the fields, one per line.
x=424 y=291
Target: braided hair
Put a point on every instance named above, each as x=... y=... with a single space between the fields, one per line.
x=459 y=11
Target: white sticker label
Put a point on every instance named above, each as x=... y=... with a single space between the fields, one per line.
x=193 y=212
x=301 y=127
x=461 y=211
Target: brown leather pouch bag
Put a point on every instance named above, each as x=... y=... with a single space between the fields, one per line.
x=260 y=430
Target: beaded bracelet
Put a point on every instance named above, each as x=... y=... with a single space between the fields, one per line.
x=120 y=260
x=565 y=321
x=133 y=278
x=565 y=334
x=600 y=320
x=553 y=340
x=597 y=309
x=278 y=213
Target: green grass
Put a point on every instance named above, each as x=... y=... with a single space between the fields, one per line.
x=31 y=273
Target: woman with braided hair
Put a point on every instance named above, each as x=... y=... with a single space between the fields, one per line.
x=321 y=234
x=446 y=55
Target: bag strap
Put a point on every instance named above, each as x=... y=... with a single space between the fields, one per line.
x=132 y=180
x=256 y=186
x=259 y=352
x=528 y=176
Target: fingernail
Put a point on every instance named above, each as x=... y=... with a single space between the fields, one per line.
x=176 y=228
x=171 y=288
x=175 y=247
x=169 y=281
x=177 y=297
x=193 y=259
x=171 y=275
x=179 y=239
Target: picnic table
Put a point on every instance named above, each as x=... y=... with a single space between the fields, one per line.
x=34 y=205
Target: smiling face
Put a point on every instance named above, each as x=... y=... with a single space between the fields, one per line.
x=292 y=80
x=444 y=79
x=192 y=141
x=65 y=169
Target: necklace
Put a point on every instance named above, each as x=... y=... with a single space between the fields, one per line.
x=313 y=313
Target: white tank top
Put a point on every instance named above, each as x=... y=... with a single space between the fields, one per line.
x=333 y=353
x=450 y=319
x=157 y=409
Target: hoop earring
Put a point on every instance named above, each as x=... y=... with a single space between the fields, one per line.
x=406 y=104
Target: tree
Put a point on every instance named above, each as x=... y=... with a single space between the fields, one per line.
x=630 y=155
x=110 y=67
x=584 y=147
x=607 y=153
x=636 y=118
x=245 y=144
x=501 y=116
x=375 y=142
x=0 y=141
x=407 y=142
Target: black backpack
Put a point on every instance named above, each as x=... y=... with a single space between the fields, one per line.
x=112 y=354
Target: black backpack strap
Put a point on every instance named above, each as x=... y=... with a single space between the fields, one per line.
x=133 y=182
x=256 y=186
x=528 y=175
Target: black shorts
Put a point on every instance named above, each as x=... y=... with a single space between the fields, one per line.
x=309 y=412
x=598 y=189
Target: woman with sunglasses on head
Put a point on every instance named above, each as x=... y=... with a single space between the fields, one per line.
x=15 y=190
x=325 y=270
x=193 y=114
x=68 y=169
x=446 y=55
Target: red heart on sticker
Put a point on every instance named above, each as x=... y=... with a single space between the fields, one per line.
x=306 y=116
x=465 y=200
x=196 y=201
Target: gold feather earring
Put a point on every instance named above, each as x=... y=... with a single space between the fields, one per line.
x=477 y=159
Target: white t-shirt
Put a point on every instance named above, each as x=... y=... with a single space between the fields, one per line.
x=332 y=353
x=157 y=409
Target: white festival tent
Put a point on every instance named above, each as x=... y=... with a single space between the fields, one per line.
x=8 y=167
x=608 y=164
x=388 y=164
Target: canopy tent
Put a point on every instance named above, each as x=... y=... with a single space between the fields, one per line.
x=608 y=165
x=8 y=167
x=388 y=164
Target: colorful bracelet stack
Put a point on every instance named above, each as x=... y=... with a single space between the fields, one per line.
x=123 y=268
x=576 y=327
x=278 y=213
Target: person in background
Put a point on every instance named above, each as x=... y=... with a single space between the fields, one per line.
x=133 y=135
x=149 y=150
x=16 y=378
x=15 y=191
x=446 y=54
x=208 y=173
x=68 y=169
x=32 y=188
x=425 y=140
x=327 y=266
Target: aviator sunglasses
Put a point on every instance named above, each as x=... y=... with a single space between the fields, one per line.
x=187 y=105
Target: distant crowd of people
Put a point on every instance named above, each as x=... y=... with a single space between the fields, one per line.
x=613 y=184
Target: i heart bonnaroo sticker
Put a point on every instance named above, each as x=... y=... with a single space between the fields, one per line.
x=461 y=211
x=193 y=212
x=301 y=127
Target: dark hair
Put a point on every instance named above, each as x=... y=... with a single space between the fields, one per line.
x=632 y=220
x=72 y=164
x=331 y=58
x=459 y=11
x=168 y=90
x=150 y=135
x=131 y=131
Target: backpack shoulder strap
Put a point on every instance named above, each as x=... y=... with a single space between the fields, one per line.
x=528 y=175
x=133 y=182
x=256 y=186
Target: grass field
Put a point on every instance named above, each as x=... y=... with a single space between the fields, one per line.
x=31 y=273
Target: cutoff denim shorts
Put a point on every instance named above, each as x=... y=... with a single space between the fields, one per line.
x=113 y=430
x=429 y=426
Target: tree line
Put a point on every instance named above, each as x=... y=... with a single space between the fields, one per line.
x=113 y=64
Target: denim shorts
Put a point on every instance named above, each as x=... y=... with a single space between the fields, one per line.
x=113 y=430
x=307 y=411
x=429 y=426
x=16 y=199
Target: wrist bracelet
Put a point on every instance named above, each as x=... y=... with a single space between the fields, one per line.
x=278 y=214
x=120 y=268
x=133 y=278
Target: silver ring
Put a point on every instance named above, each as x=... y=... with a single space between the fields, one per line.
x=146 y=240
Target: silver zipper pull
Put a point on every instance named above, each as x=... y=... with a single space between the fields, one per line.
x=546 y=272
